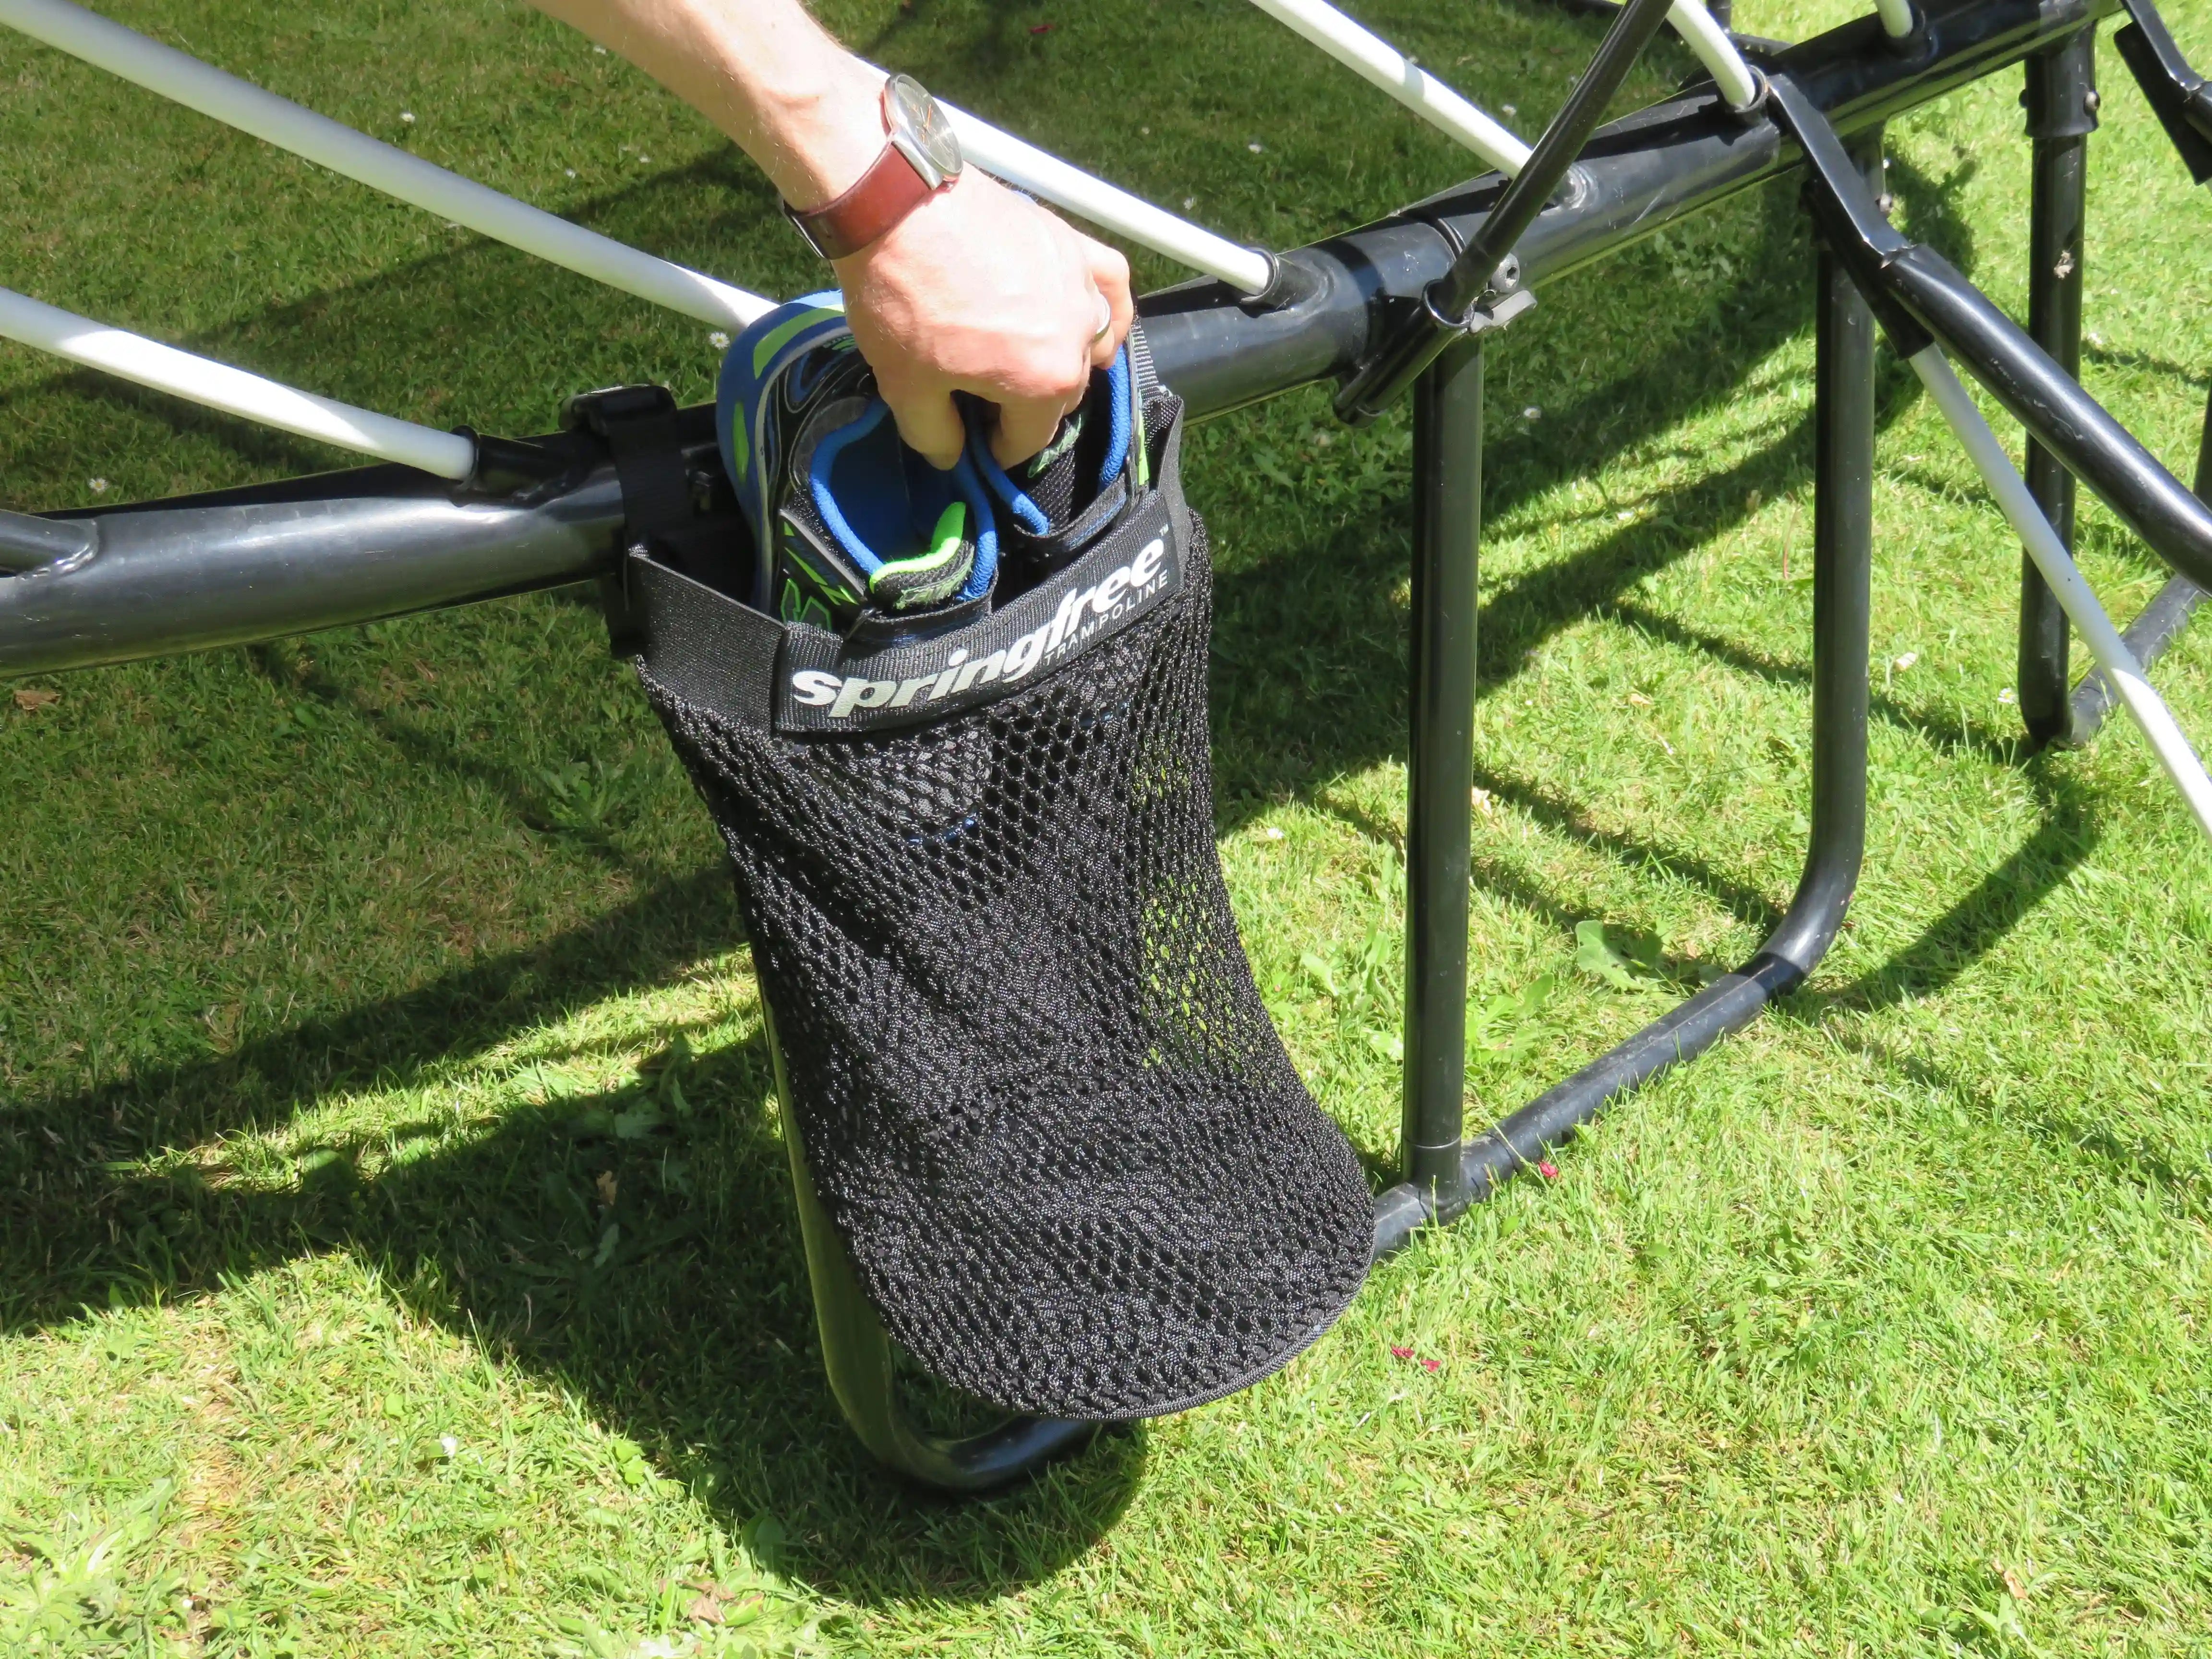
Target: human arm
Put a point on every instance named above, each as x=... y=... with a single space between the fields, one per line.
x=977 y=290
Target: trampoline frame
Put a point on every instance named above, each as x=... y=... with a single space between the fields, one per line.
x=118 y=584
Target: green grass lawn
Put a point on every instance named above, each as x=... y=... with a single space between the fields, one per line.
x=395 y=1255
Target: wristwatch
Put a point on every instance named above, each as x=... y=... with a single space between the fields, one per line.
x=922 y=157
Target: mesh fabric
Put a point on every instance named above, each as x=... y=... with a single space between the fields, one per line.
x=1040 y=1095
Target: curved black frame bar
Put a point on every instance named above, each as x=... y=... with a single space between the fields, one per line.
x=862 y=1364
x=1445 y=1175
x=2063 y=418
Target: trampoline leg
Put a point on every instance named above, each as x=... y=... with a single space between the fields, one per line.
x=1440 y=770
x=858 y=1355
x=2061 y=106
x=1843 y=533
x=1843 y=565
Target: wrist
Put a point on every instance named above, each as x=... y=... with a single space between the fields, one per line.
x=823 y=136
x=852 y=267
x=918 y=160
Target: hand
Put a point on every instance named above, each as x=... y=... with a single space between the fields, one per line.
x=981 y=290
x=977 y=290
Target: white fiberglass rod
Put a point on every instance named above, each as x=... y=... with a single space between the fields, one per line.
x=1040 y=172
x=234 y=390
x=182 y=78
x=1378 y=62
x=2050 y=555
x=1896 y=17
x=1709 y=42
x=1043 y=173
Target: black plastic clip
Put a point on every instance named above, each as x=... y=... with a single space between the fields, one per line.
x=1477 y=292
x=514 y=469
x=1288 y=281
x=1423 y=332
x=682 y=514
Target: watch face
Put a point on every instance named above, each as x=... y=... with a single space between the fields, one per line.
x=920 y=128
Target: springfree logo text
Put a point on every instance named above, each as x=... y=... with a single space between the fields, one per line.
x=1082 y=611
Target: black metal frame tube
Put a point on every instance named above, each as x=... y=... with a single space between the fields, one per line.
x=1440 y=770
x=28 y=542
x=2061 y=98
x=1843 y=556
x=190 y=575
x=2066 y=420
x=1448 y=304
x=347 y=553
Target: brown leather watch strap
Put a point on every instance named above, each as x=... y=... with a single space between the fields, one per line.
x=891 y=188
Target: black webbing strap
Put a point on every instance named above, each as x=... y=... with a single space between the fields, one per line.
x=704 y=646
x=638 y=424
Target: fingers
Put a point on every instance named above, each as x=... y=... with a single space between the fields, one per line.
x=1025 y=428
x=929 y=424
x=1023 y=332
x=1109 y=274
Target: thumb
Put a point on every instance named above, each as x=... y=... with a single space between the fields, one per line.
x=930 y=425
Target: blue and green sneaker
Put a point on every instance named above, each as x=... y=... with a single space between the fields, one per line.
x=849 y=520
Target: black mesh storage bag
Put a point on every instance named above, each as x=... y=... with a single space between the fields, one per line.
x=1040 y=1097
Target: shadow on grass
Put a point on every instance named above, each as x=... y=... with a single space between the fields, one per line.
x=2070 y=1136
x=1951 y=944
x=533 y=800
x=638 y=1245
x=1939 y=728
